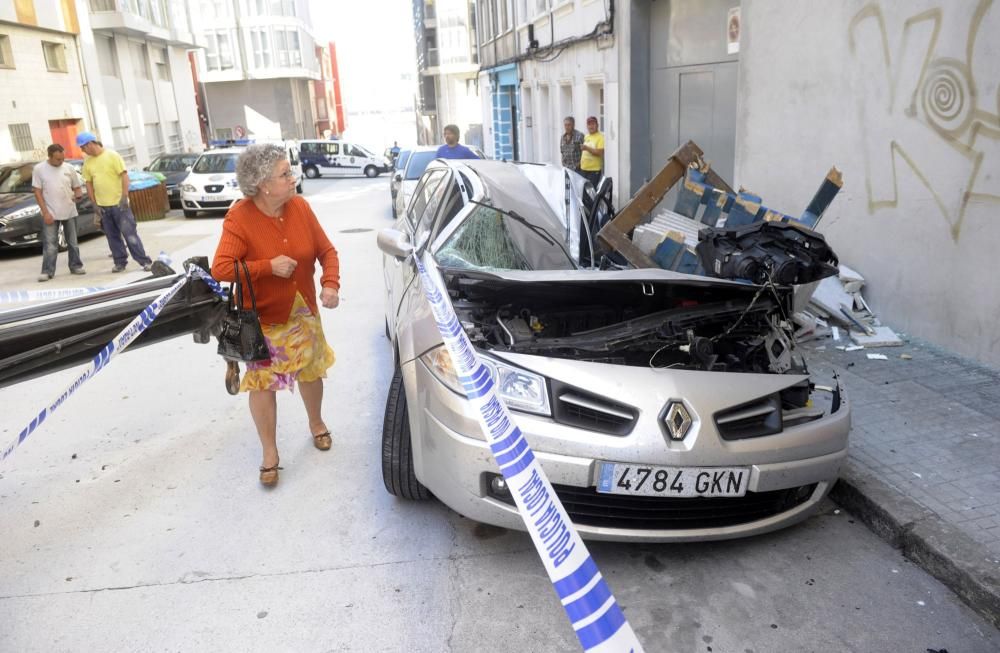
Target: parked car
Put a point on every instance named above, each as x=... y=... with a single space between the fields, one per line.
x=212 y=186
x=407 y=176
x=663 y=406
x=175 y=168
x=397 y=179
x=338 y=158
x=20 y=215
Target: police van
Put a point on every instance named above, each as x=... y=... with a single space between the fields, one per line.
x=211 y=184
x=340 y=159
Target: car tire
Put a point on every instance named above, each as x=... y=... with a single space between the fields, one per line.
x=311 y=172
x=371 y=172
x=397 y=452
x=190 y=214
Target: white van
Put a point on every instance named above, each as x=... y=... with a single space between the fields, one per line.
x=339 y=159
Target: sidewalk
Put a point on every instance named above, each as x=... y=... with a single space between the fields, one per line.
x=924 y=464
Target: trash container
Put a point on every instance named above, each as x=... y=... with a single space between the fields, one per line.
x=149 y=203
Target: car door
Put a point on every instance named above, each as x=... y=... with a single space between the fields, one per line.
x=400 y=274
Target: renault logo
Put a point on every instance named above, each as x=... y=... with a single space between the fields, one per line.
x=678 y=420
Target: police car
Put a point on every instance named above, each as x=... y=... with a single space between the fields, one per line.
x=211 y=184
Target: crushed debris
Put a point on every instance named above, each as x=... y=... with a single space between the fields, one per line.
x=877 y=357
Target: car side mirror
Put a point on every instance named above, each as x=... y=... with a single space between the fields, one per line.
x=187 y=169
x=395 y=243
x=399 y=176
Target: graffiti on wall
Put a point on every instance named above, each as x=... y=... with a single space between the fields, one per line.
x=930 y=100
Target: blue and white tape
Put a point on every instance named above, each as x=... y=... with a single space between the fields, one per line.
x=20 y=296
x=117 y=344
x=597 y=619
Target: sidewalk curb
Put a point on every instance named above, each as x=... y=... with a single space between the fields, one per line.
x=958 y=561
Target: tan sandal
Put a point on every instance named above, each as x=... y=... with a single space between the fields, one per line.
x=269 y=475
x=322 y=441
x=232 y=377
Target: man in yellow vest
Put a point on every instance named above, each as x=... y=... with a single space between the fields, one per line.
x=107 y=184
x=592 y=153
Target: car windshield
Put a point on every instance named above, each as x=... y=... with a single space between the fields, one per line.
x=418 y=163
x=491 y=239
x=16 y=179
x=172 y=163
x=216 y=163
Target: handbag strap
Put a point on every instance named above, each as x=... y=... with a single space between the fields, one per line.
x=239 y=290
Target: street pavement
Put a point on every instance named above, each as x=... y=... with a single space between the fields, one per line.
x=133 y=521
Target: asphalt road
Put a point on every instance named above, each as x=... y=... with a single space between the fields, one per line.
x=132 y=520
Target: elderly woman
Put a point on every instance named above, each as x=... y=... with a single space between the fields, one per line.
x=277 y=234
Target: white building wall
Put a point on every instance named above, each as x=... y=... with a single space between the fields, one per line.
x=34 y=95
x=902 y=96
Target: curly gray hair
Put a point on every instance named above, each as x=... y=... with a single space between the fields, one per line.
x=255 y=165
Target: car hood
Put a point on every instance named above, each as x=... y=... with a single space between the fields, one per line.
x=13 y=201
x=585 y=276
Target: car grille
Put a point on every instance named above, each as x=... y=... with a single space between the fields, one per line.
x=750 y=420
x=224 y=204
x=588 y=507
x=214 y=188
x=585 y=410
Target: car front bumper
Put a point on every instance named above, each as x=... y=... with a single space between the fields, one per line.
x=796 y=467
x=220 y=202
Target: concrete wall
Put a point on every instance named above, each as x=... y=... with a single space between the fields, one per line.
x=32 y=94
x=903 y=97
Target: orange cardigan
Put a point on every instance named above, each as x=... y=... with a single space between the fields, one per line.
x=249 y=234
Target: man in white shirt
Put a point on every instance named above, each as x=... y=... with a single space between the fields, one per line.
x=57 y=189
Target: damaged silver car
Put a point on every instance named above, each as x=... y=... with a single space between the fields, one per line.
x=663 y=406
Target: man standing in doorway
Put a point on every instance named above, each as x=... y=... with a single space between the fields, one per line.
x=452 y=149
x=569 y=146
x=57 y=189
x=592 y=159
x=107 y=184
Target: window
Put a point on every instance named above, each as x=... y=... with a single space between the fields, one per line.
x=283 y=7
x=261 y=42
x=434 y=191
x=140 y=60
x=286 y=42
x=6 y=56
x=154 y=139
x=451 y=209
x=294 y=53
x=595 y=102
x=224 y=134
x=215 y=9
x=219 y=53
x=55 y=56
x=421 y=196
x=107 y=56
x=321 y=108
x=174 y=140
x=20 y=133
x=123 y=143
x=162 y=59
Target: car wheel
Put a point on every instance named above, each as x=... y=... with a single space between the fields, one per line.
x=397 y=453
x=298 y=189
x=371 y=171
x=190 y=214
x=311 y=172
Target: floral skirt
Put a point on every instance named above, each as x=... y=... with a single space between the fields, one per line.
x=299 y=352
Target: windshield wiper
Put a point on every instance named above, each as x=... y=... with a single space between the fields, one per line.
x=522 y=220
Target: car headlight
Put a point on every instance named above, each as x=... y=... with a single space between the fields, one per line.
x=520 y=389
x=20 y=214
x=188 y=188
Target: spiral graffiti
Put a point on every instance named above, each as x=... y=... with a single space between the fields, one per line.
x=947 y=96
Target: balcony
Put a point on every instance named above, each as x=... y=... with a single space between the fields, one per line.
x=150 y=19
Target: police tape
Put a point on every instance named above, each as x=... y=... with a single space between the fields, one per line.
x=596 y=617
x=117 y=344
x=19 y=296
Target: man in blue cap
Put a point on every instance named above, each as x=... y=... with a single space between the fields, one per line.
x=107 y=184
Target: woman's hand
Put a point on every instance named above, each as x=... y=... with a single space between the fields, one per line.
x=283 y=266
x=329 y=297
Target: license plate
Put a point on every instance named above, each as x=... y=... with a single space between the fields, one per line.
x=208 y=198
x=654 y=481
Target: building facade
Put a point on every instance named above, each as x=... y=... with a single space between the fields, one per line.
x=258 y=68
x=118 y=69
x=326 y=94
x=448 y=70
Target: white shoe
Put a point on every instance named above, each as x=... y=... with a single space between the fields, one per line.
x=44 y=277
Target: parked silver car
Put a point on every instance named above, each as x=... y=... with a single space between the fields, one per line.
x=662 y=406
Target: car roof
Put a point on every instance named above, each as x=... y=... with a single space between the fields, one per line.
x=224 y=150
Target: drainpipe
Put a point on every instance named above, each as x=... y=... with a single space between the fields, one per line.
x=88 y=101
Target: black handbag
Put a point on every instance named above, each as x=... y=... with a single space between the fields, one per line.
x=241 y=338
